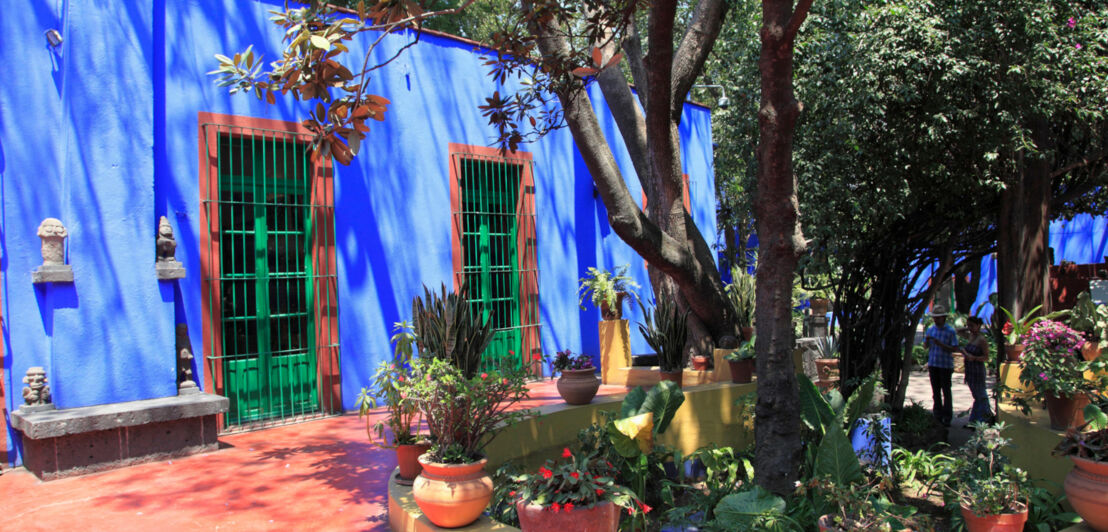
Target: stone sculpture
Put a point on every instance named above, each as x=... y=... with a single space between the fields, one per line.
x=36 y=395
x=185 y=383
x=167 y=266
x=53 y=269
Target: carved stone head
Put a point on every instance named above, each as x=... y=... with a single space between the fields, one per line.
x=164 y=229
x=36 y=392
x=53 y=234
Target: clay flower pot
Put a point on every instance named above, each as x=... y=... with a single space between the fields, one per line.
x=407 y=459
x=1086 y=488
x=1007 y=522
x=1013 y=352
x=699 y=362
x=1065 y=412
x=614 y=312
x=452 y=495
x=674 y=376
x=820 y=306
x=578 y=386
x=600 y=517
x=742 y=371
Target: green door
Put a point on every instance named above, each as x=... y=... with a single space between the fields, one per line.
x=269 y=364
x=490 y=231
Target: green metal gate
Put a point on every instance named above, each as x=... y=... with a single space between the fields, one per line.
x=266 y=320
x=498 y=247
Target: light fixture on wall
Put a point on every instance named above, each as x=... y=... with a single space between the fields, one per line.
x=724 y=102
x=53 y=38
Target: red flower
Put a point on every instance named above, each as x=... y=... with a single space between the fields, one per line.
x=511 y=351
x=1007 y=329
x=484 y=375
x=505 y=382
x=569 y=507
x=566 y=453
x=401 y=378
x=575 y=475
x=512 y=493
x=556 y=507
x=537 y=357
x=599 y=492
x=645 y=509
x=546 y=473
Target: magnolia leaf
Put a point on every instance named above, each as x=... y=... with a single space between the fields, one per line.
x=320 y=42
x=632 y=402
x=663 y=400
x=597 y=56
x=639 y=428
x=624 y=445
x=740 y=510
x=584 y=72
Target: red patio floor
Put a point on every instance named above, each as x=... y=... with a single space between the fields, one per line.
x=318 y=475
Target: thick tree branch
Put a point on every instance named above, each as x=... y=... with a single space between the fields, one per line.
x=632 y=52
x=1085 y=161
x=629 y=119
x=797 y=18
x=696 y=44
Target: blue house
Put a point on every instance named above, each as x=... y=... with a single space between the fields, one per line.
x=294 y=272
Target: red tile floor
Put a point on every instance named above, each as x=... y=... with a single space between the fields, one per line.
x=318 y=475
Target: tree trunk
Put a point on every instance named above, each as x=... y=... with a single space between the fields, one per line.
x=781 y=243
x=1023 y=228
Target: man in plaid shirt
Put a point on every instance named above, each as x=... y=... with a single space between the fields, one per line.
x=941 y=341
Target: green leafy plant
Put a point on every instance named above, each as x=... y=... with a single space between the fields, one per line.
x=1089 y=441
x=577 y=481
x=1052 y=362
x=981 y=478
x=565 y=359
x=741 y=294
x=692 y=500
x=464 y=414
x=1089 y=318
x=858 y=506
x=449 y=327
x=1045 y=512
x=754 y=509
x=390 y=383
x=1014 y=329
x=919 y=469
x=607 y=289
x=745 y=351
x=665 y=330
x=827 y=346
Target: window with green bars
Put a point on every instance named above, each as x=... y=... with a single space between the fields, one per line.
x=495 y=238
x=264 y=286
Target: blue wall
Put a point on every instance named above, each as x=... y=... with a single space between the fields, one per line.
x=103 y=134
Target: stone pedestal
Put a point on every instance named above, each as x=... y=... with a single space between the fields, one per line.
x=815 y=325
x=52 y=273
x=170 y=270
x=615 y=347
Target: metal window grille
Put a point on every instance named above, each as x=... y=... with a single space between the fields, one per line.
x=271 y=325
x=496 y=217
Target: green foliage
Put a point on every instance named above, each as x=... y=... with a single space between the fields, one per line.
x=745 y=351
x=741 y=294
x=665 y=331
x=448 y=327
x=1089 y=318
x=1014 y=329
x=579 y=480
x=1091 y=440
x=390 y=383
x=920 y=468
x=981 y=478
x=693 y=500
x=1052 y=362
x=662 y=400
x=860 y=506
x=828 y=346
x=464 y=414
x=603 y=286
x=755 y=509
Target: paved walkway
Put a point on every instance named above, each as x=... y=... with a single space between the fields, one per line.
x=919 y=390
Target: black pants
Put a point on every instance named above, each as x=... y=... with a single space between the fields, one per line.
x=943 y=408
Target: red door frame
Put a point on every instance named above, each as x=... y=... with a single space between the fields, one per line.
x=328 y=373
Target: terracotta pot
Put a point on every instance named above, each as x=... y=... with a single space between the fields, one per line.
x=407 y=459
x=827 y=369
x=614 y=312
x=699 y=362
x=1013 y=352
x=601 y=517
x=452 y=495
x=748 y=333
x=578 y=386
x=674 y=376
x=742 y=371
x=820 y=306
x=1086 y=488
x=1007 y=522
x=1090 y=351
x=1065 y=412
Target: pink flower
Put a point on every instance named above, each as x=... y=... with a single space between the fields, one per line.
x=1077 y=46
x=1044 y=377
x=1071 y=23
x=484 y=375
x=401 y=378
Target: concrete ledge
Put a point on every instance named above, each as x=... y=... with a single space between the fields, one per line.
x=1033 y=439
x=55 y=423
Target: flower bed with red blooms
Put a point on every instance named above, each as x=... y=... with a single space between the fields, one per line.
x=572 y=483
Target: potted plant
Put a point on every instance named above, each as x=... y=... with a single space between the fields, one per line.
x=1053 y=365
x=577 y=493
x=578 y=383
x=1086 y=485
x=664 y=329
x=741 y=361
x=607 y=290
x=1091 y=320
x=856 y=506
x=1014 y=329
x=741 y=293
x=463 y=415
x=447 y=326
x=700 y=361
x=827 y=363
x=390 y=384
x=988 y=489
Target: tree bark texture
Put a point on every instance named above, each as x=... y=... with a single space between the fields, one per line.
x=781 y=243
x=1023 y=262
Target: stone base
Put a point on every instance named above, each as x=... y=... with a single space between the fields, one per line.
x=30 y=409
x=52 y=273
x=77 y=441
x=168 y=271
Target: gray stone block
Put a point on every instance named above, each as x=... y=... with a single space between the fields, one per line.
x=55 y=423
x=169 y=271
x=52 y=273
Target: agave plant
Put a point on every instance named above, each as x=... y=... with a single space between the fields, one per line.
x=448 y=327
x=740 y=292
x=665 y=330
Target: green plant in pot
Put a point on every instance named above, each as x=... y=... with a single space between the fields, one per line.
x=1087 y=448
x=463 y=415
x=990 y=492
x=578 y=383
x=741 y=293
x=607 y=290
x=827 y=363
x=448 y=327
x=741 y=362
x=665 y=329
x=1053 y=364
x=390 y=385
x=1091 y=320
x=1014 y=329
